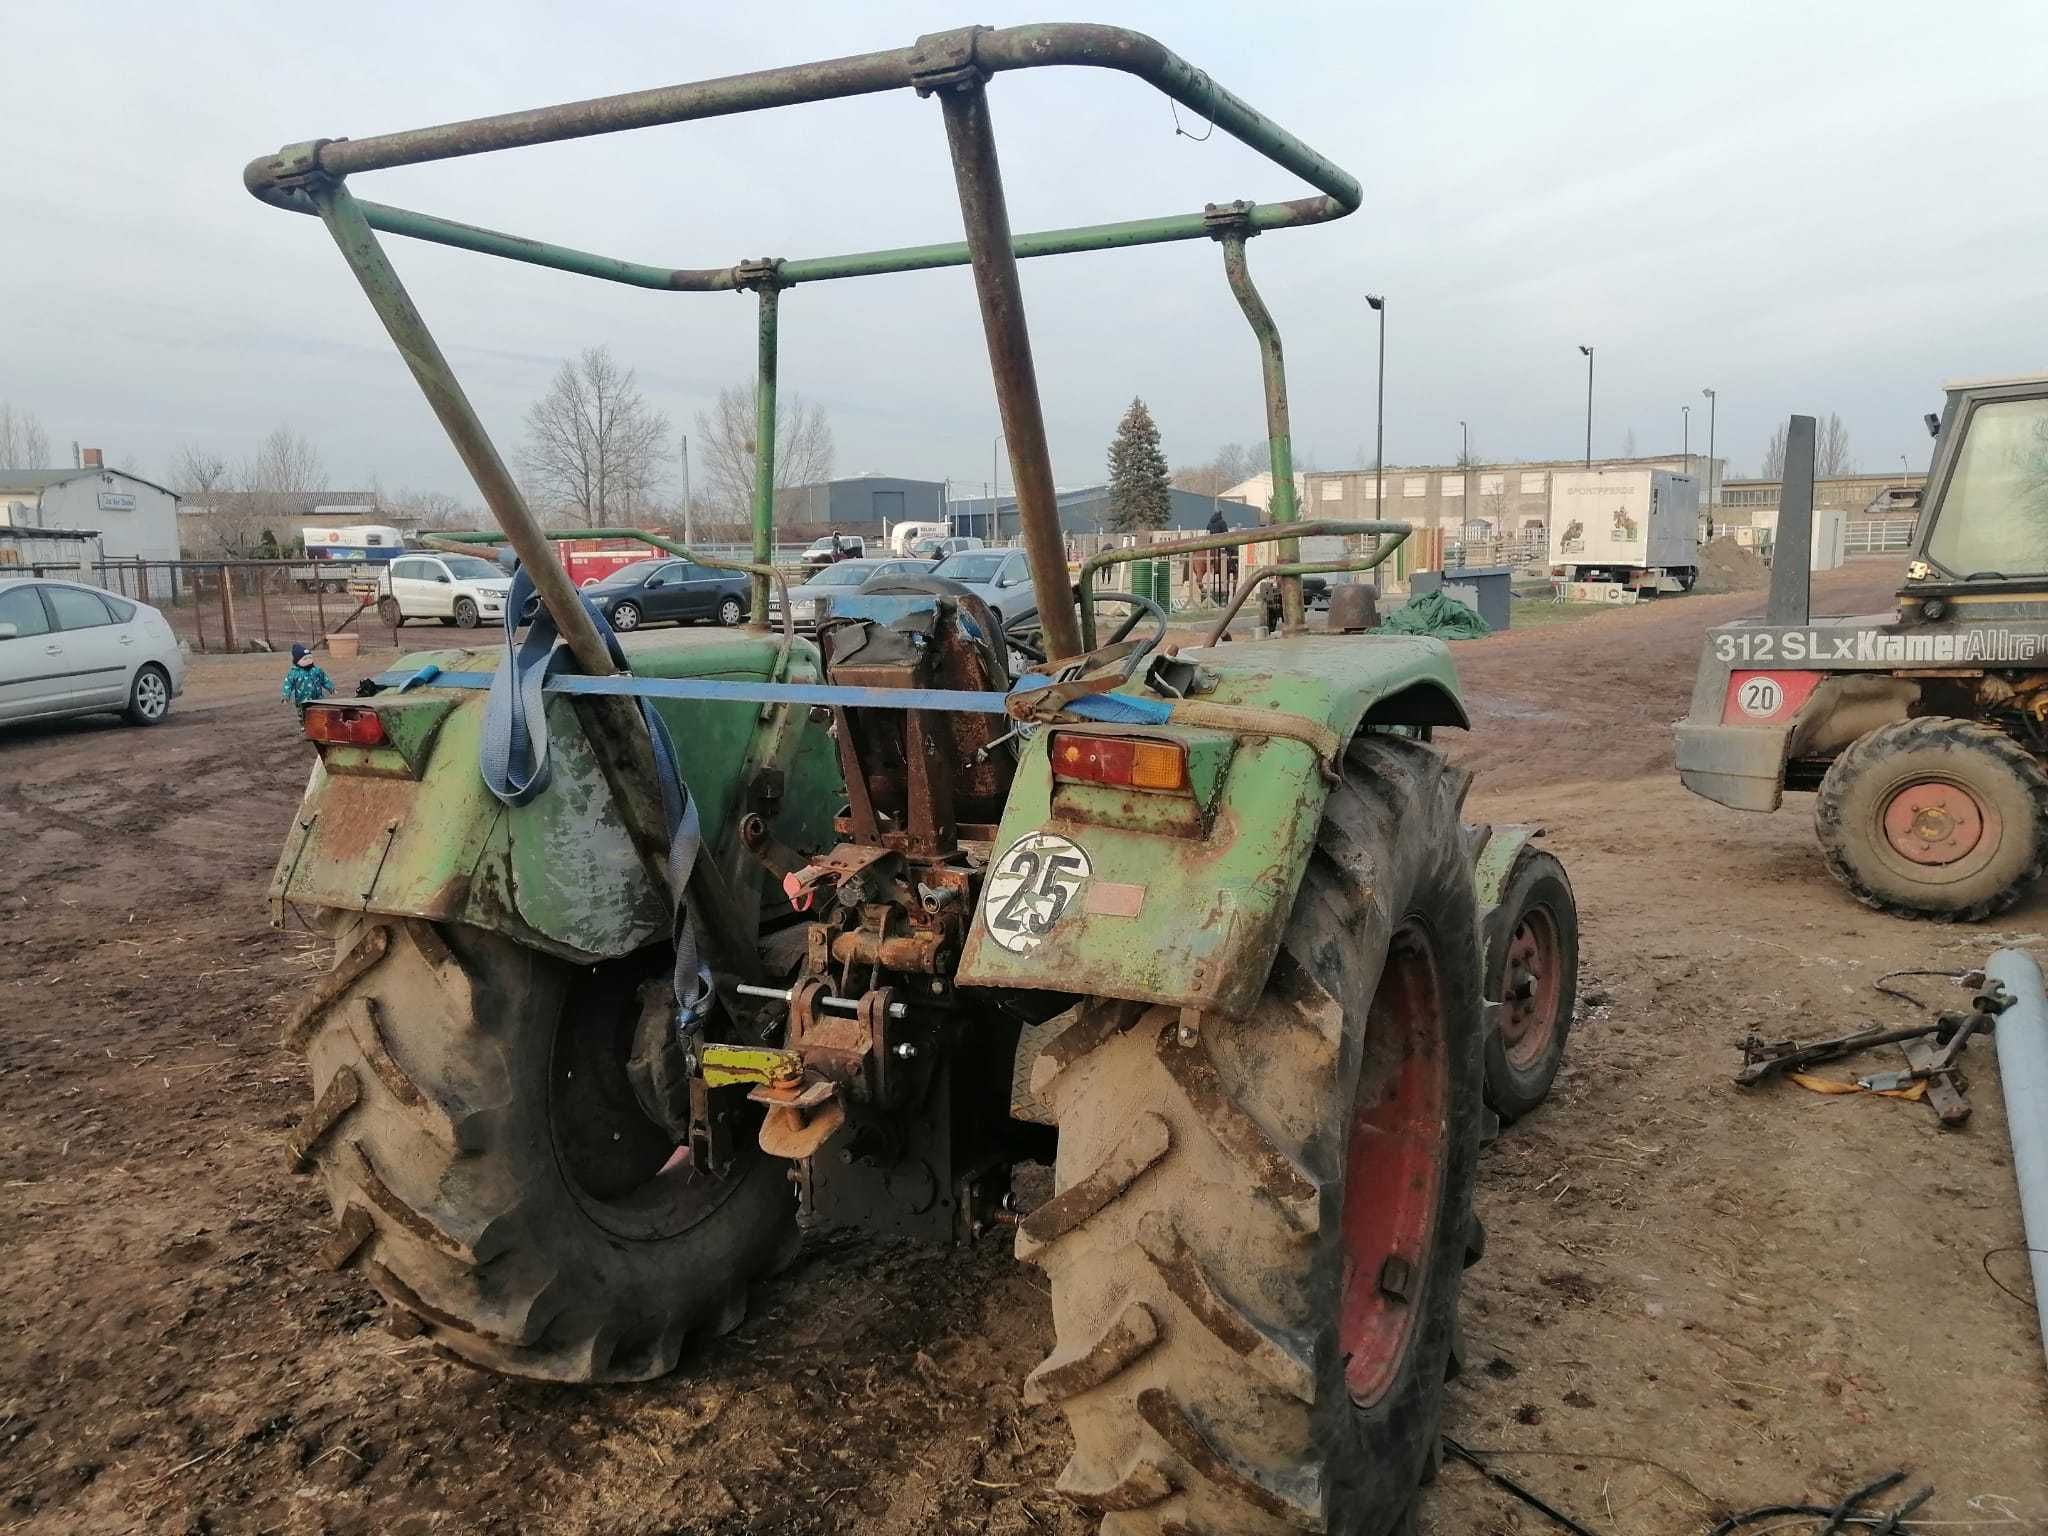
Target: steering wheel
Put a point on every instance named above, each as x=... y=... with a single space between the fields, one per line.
x=1141 y=607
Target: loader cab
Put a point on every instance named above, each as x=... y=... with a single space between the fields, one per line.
x=1985 y=524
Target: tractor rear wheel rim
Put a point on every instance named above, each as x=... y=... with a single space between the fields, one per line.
x=619 y=1164
x=1394 y=1168
x=1531 y=986
x=1936 y=822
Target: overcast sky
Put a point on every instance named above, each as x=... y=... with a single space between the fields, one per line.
x=1809 y=207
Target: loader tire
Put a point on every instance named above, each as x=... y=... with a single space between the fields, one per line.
x=1935 y=817
x=1260 y=1227
x=1532 y=969
x=491 y=1172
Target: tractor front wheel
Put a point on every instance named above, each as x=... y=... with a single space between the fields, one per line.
x=490 y=1169
x=1260 y=1226
x=1933 y=816
x=1532 y=968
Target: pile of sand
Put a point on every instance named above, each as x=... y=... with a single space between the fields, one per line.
x=1725 y=566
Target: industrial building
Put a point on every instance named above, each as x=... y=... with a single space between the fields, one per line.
x=1879 y=512
x=1084 y=511
x=1465 y=501
x=861 y=504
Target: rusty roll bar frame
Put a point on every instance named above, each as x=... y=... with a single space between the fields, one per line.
x=956 y=66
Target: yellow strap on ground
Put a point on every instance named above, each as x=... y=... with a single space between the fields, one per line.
x=1913 y=1092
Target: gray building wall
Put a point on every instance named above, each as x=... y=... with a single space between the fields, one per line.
x=1085 y=510
x=858 y=504
x=133 y=517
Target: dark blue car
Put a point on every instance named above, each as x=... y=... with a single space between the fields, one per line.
x=670 y=591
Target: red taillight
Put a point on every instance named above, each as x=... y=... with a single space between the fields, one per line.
x=344 y=725
x=1128 y=762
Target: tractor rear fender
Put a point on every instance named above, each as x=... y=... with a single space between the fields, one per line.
x=409 y=829
x=1181 y=897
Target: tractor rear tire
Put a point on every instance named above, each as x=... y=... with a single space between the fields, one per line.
x=1260 y=1227
x=491 y=1172
x=1982 y=788
x=1532 y=967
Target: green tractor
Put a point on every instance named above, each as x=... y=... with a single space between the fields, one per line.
x=648 y=960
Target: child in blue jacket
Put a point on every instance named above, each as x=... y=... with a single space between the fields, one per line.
x=304 y=681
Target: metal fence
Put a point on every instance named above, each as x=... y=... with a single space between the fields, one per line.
x=1879 y=536
x=246 y=605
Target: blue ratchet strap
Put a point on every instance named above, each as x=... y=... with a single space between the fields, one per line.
x=516 y=767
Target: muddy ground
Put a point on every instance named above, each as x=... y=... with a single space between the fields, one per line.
x=1695 y=1299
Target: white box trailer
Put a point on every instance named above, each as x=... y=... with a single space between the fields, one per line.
x=1638 y=527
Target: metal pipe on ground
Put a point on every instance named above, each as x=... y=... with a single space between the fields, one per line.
x=2022 y=1042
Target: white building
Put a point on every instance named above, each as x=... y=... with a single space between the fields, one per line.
x=1258 y=491
x=135 y=518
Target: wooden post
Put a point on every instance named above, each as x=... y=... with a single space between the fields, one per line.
x=227 y=609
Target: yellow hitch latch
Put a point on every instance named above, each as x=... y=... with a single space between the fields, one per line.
x=727 y=1066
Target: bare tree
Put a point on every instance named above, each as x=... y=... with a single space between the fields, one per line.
x=1774 y=455
x=257 y=498
x=1231 y=464
x=1831 y=448
x=437 y=509
x=725 y=441
x=23 y=442
x=198 y=474
x=594 y=446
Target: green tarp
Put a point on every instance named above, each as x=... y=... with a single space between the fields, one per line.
x=1434 y=613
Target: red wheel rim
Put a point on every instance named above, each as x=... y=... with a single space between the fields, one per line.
x=1936 y=822
x=1531 y=986
x=1394 y=1168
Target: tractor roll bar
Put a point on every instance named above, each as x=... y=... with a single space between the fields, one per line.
x=956 y=66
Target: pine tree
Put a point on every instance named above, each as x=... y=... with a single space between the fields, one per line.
x=1138 y=480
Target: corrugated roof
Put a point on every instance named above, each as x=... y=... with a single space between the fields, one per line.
x=8 y=532
x=43 y=479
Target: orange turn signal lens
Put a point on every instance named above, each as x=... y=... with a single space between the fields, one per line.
x=1127 y=762
x=344 y=725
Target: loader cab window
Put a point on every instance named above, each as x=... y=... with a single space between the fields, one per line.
x=1994 y=514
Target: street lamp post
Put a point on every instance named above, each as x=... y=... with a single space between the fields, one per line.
x=1465 y=457
x=1589 y=405
x=1378 y=301
x=1686 y=411
x=1713 y=410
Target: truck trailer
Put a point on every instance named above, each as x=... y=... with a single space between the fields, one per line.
x=1637 y=528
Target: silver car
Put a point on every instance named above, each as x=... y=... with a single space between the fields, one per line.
x=999 y=577
x=811 y=603
x=67 y=649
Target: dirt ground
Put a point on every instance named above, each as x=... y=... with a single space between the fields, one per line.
x=1695 y=1298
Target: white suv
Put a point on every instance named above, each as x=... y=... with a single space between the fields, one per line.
x=456 y=589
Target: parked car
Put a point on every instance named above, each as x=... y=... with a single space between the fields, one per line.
x=664 y=591
x=940 y=548
x=66 y=649
x=456 y=589
x=835 y=547
x=811 y=602
x=999 y=577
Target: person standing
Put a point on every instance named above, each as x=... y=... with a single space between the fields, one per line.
x=304 y=681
